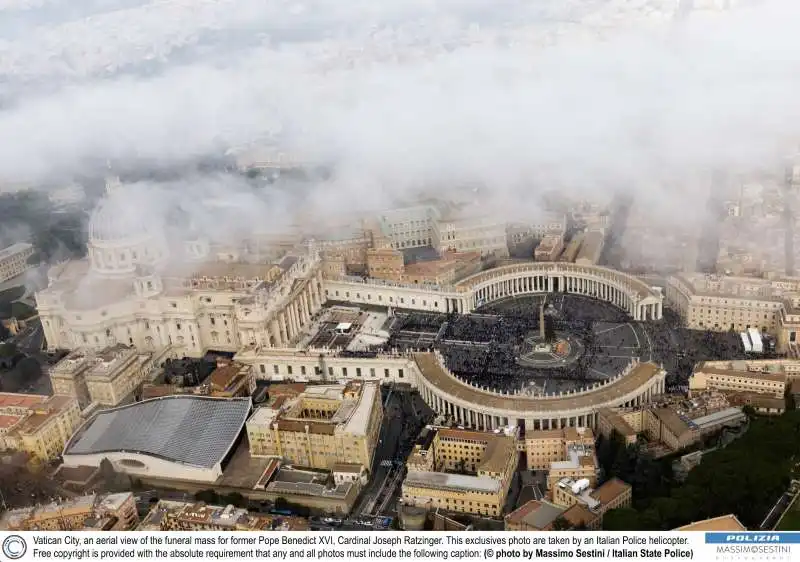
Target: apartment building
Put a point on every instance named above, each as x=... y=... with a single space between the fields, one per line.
x=627 y=424
x=68 y=376
x=322 y=426
x=549 y=248
x=461 y=471
x=534 y=515
x=722 y=303
x=675 y=425
x=570 y=253
x=544 y=447
x=448 y=268
x=197 y=516
x=551 y=224
x=468 y=229
x=586 y=506
x=231 y=380
x=591 y=247
x=14 y=260
x=37 y=425
x=409 y=227
x=736 y=377
x=106 y=512
x=575 y=503
x=105 y=378
x=580 y=464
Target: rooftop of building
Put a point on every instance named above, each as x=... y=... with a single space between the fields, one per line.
x=743 y=373
x=751 y=288
x=758 y=400
x=36 y=412
x=445 y=481
x=348 y=467
x=14 y=400
x=676 y=424
x=352 y=405
x=433 y=371
x=592 y=245
x=578 y=514
x=263 y=415
x=731 y=414
x=549 y=242
x=14 y=249
x=578 y=455
x=617 y=422
x=566 y=434
x=756 y=365
x=642 y=289
x=536 y=514
x=193 y=430
x=77 y=360
x=228 y=376
x=8 y=421
x=721 y=523
x=594 y=498
x=92 y=503
x=108 y=362
x=308 y=482
x=610 y=490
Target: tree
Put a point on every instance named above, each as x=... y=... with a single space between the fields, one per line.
x=207 y=496
x=234 y=498
x=622 y=519
x=561 y=524
x=745 y=478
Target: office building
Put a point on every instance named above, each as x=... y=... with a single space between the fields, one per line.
x=321 y=427
x=14 y=260
x=169 y=515
x=37 y=425
x=105 y=512
x=462 y=471
x=585 y=506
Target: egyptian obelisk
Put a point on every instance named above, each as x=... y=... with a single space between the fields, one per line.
x=541 y=320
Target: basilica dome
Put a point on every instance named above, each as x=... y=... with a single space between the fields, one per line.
x=125 y=231
x=114 y=221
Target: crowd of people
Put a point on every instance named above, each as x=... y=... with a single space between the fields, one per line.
x=484 y=348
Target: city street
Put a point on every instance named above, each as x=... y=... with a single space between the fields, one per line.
x=403 y=420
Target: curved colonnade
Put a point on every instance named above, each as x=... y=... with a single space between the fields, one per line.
x=624 y=291
x=478 y=408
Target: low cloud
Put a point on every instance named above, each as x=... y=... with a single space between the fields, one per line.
x=400 y=97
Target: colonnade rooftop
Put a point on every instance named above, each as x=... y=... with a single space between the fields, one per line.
x=432 y=370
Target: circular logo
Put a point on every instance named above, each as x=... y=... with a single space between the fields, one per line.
x=14 y=547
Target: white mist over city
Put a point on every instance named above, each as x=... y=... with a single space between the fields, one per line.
x=399 y=98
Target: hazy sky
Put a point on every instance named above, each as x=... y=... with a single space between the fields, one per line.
x=518 y=95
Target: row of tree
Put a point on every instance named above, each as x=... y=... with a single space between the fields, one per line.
x=745 y=478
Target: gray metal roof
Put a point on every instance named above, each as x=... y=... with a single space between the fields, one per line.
x=192 y=430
